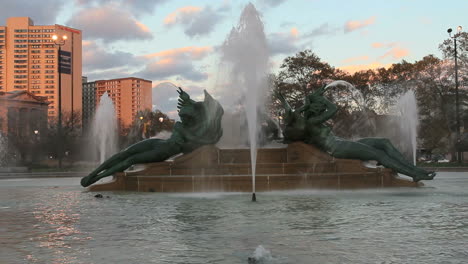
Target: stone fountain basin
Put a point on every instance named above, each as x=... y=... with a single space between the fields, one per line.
x=298 y=166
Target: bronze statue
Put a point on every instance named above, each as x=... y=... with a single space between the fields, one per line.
x=200 y=125
x=308 y=124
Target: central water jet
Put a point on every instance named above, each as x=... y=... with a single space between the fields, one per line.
x=246 y=52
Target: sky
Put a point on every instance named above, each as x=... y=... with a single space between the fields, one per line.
x=177 y=41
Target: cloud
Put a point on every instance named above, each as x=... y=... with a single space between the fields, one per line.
x=41 y=12
x=176 y=63
x=195 y=53
x=353 y=25
x=107 y=74
x=195 y=21
x=354 y=59
x=362 y=67
x=396 y=53
x=321 y=30
x=136 y=7
x=393 y=50
x=270 y=3
x=283 y=42
x=98 y=58
x=109 y=23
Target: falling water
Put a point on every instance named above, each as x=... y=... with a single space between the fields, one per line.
x=408 y=108
x=104 y=128
x=246 y=52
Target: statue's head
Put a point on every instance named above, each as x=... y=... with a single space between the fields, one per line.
x=192 y=113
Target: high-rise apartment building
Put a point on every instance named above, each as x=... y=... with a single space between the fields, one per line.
x=89 y=102
x=29 y=62
x=129 y=95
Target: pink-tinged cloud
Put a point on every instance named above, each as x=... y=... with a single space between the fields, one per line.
x=294 y=32
x=195 y=21
x=194 y=53
x=354 y=59
x=362 y=67
x=177 y=63
x=396 y=53
x=109 y=23
x=379 y=45
x=180 y=13
x=353 y=25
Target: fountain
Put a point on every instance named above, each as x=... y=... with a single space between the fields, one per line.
x=104 y=128
x=303 y=163
x=408 y=109
x=246 y=53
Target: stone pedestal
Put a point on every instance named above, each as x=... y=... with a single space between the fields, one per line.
x=299 y=166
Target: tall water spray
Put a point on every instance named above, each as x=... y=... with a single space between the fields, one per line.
x=245 y=51
x=104 y=128
x=407 y=107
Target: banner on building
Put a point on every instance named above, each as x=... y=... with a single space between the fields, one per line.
x=65 y=62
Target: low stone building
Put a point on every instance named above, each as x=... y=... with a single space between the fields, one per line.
x=22 y=114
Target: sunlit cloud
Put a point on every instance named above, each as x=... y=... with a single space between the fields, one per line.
x=195 y=21
x=355 y=59
x=362 y=67
x=396 y=53
x=353 y=25
x=194 y=53
x=176 y=63
x=180 y=14
x=394 y=50
x=119 y=24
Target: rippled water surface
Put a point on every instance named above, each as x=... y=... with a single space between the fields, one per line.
x=55 y=221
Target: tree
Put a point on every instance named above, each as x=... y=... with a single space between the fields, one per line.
x=71 y=138
x=147 y=124
x=300 y=75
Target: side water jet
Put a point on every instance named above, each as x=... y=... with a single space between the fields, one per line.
x=246 y=52
x=407 y=107
x=104 y=128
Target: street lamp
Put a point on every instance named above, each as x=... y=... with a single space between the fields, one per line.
x=457 y=105
x=59 y=43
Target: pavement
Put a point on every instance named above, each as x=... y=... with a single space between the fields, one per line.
x=17 y=175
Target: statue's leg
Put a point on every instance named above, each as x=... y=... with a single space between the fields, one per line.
x=356 y=150
x=387 y=146
x=139 y=147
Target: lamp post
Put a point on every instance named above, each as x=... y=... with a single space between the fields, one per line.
x=457 y=105
x=59 y=43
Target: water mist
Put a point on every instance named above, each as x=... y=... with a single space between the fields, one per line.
x=408 y=108
x=245 y=52
x=104 y=128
